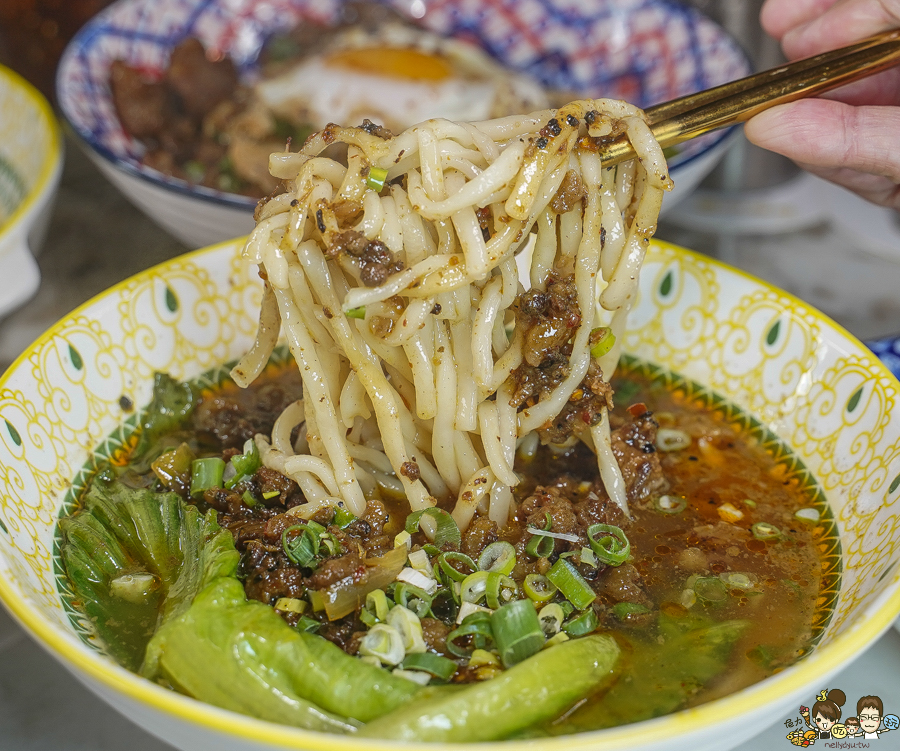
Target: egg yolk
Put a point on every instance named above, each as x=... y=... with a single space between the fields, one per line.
x=393 y=62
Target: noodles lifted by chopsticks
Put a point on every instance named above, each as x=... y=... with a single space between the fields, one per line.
x=424 y=361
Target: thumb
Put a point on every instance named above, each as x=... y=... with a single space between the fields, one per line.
x=833 y=135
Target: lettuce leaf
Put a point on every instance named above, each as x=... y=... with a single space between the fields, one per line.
x=123 y=531
x=240 y=655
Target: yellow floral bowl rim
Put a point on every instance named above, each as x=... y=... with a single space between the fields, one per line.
x=826 y=660
x=52 y=161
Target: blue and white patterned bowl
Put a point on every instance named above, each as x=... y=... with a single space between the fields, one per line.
x=644 y=51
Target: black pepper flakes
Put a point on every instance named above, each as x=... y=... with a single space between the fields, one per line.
x=541 y=143
x=572 y=120
x=320 y=221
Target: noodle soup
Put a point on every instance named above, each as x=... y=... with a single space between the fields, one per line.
x=723 y=583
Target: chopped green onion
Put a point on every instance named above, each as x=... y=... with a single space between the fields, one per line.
x=409 y=626
x=670 y=439
x=418 y=559
x=541 y=546
x=316 y=599
x=206 y=473
x=738 y=580
x=248 y=499
x=749 y=502
x=517 y=632
x=359 y=312
x=477 y=627
x=602 y=340
x=582 y=624
x=447 y=532
x=613 y=547
x=416 y=676
x=670 y=504
x=301 y=542
x=765 y=531
x=413 y=597
x=244 y=465
x=551 y=618
x=807 y=515
x=499 y=557
x=588 y=558
x=270 y=494
x=481 y=657
x=384 y=642
x=376 y=177
x=377 y=604
x=574 y=588
x=342 y=518
x=710 y=589
x=486 y=585
x=290 y=605
x=538 y=588
x=446 y=561
x=623 y=610
x=438 y=666
x=308 y=624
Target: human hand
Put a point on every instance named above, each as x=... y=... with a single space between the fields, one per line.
x=852 y=137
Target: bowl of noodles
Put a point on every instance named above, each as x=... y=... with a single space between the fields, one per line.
x=179 y=102
x=448 y=451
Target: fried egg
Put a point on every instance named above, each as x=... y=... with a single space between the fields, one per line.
x=397 y=77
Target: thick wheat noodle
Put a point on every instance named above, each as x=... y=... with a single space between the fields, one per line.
x=421 y=405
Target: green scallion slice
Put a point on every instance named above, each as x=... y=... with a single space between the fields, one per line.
x=573 y=587
x=611 y=546
x=765 y=531
x=538 y=588
x=710 y=589
x=438 y=666
x=517 y=632
x=499 y=557
x=308 y=624
x=541 y=546
x=447 y=532
x=477 y=627
x=342 y=518
x=205 y=474
x=244 y=465
x=451 y=564
x=582 y=624
x=301 y=543
x=670 y=504
x=376 y=177
x=413 y=598
x=602 y=341
x=359 y=312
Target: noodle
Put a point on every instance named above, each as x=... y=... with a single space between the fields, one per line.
x=402 y=305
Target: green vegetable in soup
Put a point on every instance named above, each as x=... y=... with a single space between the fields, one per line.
x=172 y=403
x=533 y=691
x=124 y=532
x=242 y=656
x=664 y=673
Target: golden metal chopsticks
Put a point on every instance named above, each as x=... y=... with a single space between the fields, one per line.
x=736 y=102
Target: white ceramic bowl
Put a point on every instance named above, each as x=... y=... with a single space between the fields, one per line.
x=30 y=167
x=644 y=51
x=795 y=376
